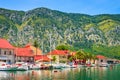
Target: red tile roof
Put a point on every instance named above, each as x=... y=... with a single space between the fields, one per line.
x=58 y=52
x=26 y=52
x=42 y=58
x=100 y=57
x=5 y=44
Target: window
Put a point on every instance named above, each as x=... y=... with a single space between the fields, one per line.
x=4 y=52
x=101 y=60
x=19 y=60
x=10 y=53
x=5 y=60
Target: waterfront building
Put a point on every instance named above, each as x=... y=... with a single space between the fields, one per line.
x=101 y=59
x=28 y=54
x=58 y=56
x=38 y=56
x=24 y=55
x=6 y=52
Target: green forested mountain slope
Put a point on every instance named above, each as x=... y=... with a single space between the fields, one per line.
x=81 y=31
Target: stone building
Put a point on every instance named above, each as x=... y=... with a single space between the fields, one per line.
x=6 y=52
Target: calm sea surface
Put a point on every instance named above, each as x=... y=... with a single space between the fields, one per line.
x=93 y=73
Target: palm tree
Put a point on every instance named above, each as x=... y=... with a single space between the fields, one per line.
x=54 y=58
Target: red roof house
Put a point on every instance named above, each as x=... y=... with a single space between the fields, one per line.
x=5 y=44
x=59 y=55
x=101 y=60
x=25 y=52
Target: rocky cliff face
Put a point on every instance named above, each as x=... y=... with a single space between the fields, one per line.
x=78 y=30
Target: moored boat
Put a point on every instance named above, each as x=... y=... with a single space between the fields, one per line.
x=7 y=67
x=103 y=65
x=56 y=66
x=34 y=66
x=21 y=66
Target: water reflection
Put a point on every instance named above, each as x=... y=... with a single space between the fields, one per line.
x=94 y=73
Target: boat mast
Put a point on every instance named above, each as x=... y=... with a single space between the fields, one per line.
x=50 y=46
x=42 y=52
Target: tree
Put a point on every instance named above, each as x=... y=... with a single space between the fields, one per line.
x=65 y=47
x=71 y=58
x=36 y=45
x=62 y=47
x=94 y=58
x=54 y=58
x=80 y=55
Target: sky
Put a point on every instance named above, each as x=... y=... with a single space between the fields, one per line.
x=91 y=7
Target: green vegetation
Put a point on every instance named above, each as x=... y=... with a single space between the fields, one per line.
x=36 y=45
x=83 y=55
x=65 y=47
x=110 y=51
x=54 y=58
x=97 y=34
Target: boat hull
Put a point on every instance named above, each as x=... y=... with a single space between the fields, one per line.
x=8 y=69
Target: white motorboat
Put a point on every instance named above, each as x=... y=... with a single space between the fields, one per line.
x=103 y=65
x=63 y=65
x=7 y=67
x=56 y=66
x=34 y=66
x=21 y=66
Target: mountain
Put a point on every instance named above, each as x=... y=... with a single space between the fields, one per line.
x=81 y=31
